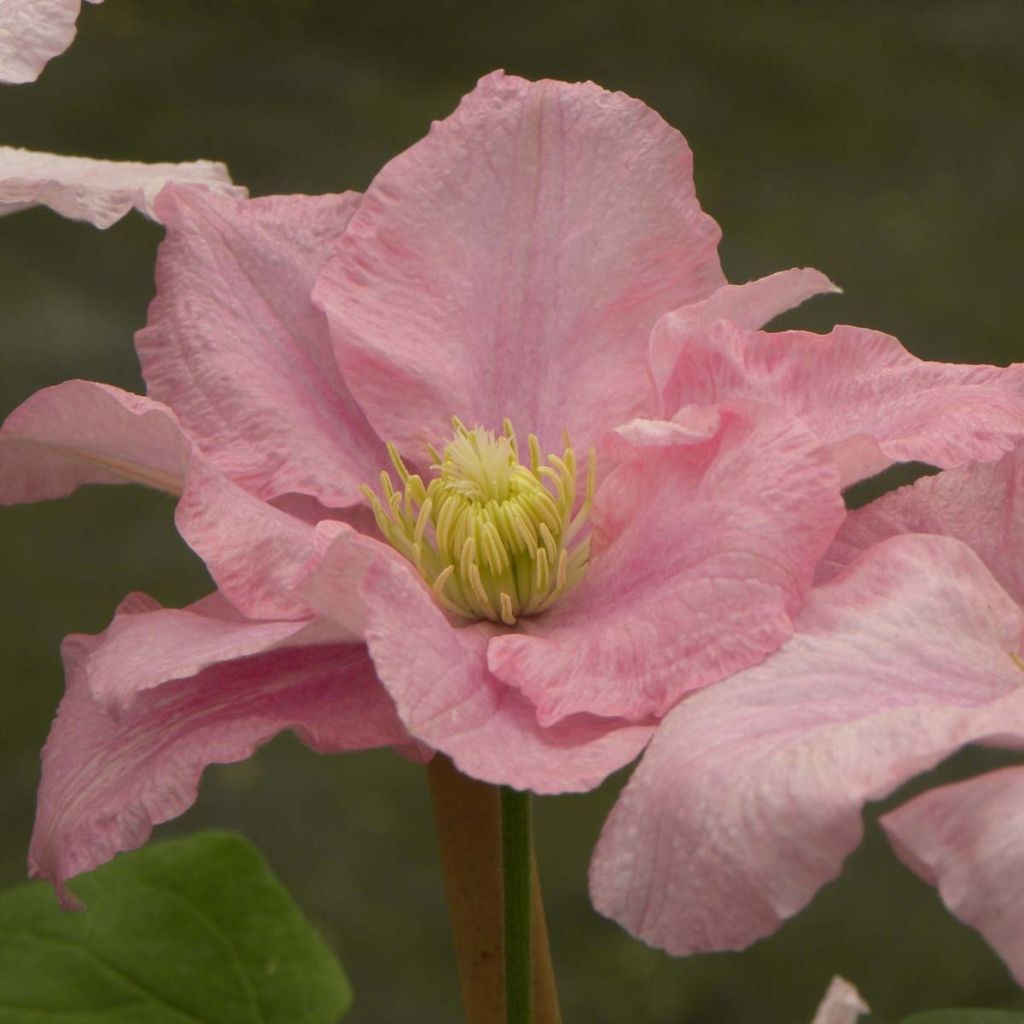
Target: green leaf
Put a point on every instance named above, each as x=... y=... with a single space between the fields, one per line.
x=965 y=1017
x=193 y=931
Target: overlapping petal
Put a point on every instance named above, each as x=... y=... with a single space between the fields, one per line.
x=968 y=839
x=749 y=797
x=81 y=432
x=444 y=693
x=981 y=504
x=864 y=394
x=109 y=778
x=98 y=191
x=235 y=345
x=513 y=263
x=749 y=305
x=705 y=539
x=256 y=553
x=32 y=32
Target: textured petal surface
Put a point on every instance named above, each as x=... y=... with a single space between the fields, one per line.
x=108 y=779
x=749 y=797
x=147 y=645
x=513 y=263
x=98 y=191
x=749 y=305
x=444 y=693
x=257 y=554
x=968 y=839
x=980 y=504
x=860 y=391
x=80 y=432
x=32 y=32
x=235 y=345
x=705 y=539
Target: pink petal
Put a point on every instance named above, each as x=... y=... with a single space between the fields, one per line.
x=842 y=1004
x=257 y=554
x=513 y=263
x=749 y=797
x=443 y=690
x=80 y=432
x=980 y=504
x=749 y=305
x=968 y=840
x=236 y=347
x=146 y=645
x=705 y=540
x=98 y=191
x=108 y=779
x=34 y=31
x=860 y=391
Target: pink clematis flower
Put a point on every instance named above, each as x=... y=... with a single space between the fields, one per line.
x=750 y=796
x=32 y=32
x=537 y=264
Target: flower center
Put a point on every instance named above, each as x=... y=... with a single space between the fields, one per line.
x=493 y=537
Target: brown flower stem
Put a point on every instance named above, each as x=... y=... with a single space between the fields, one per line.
x=467 y=814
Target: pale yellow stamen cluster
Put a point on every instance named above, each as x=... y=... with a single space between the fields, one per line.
x=492 y=537
x=1017 y=660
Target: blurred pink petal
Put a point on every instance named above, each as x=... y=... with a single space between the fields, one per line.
x=108 y=778
x=513 y=263
x=968 y=839
x=81 y=432
x=703 y=547
x=980 y=504
x=749 y=797
x=235 y=345
x=32 y=32
x=860 y=391
x=842 y=1004
x=98 y=191
x=443 y=690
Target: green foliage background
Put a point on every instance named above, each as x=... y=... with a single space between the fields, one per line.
x=880 y=142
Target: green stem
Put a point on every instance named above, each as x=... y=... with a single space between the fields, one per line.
x=516 y=850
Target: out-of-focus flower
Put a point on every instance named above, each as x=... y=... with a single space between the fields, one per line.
x=32 y=32
x=538 y=267
x=98 y=191
x=750 y=796
x=842 y=1004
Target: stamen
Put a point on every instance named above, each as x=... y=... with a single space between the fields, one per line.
x=491 y=535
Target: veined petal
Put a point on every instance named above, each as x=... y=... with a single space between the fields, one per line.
x=235 y=345
x=749 y=797
x=860 y=391
x=98 y=191
x=981 y=504
x=257 y=554
x=444 y=693
x=107 y=780
x=146 y=645
x=749 y=305
x=33 y=32
x=968 y=839
x=705 y=540
x=513 y=263
x=81 y=432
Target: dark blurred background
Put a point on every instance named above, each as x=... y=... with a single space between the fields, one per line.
x=880 y=142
